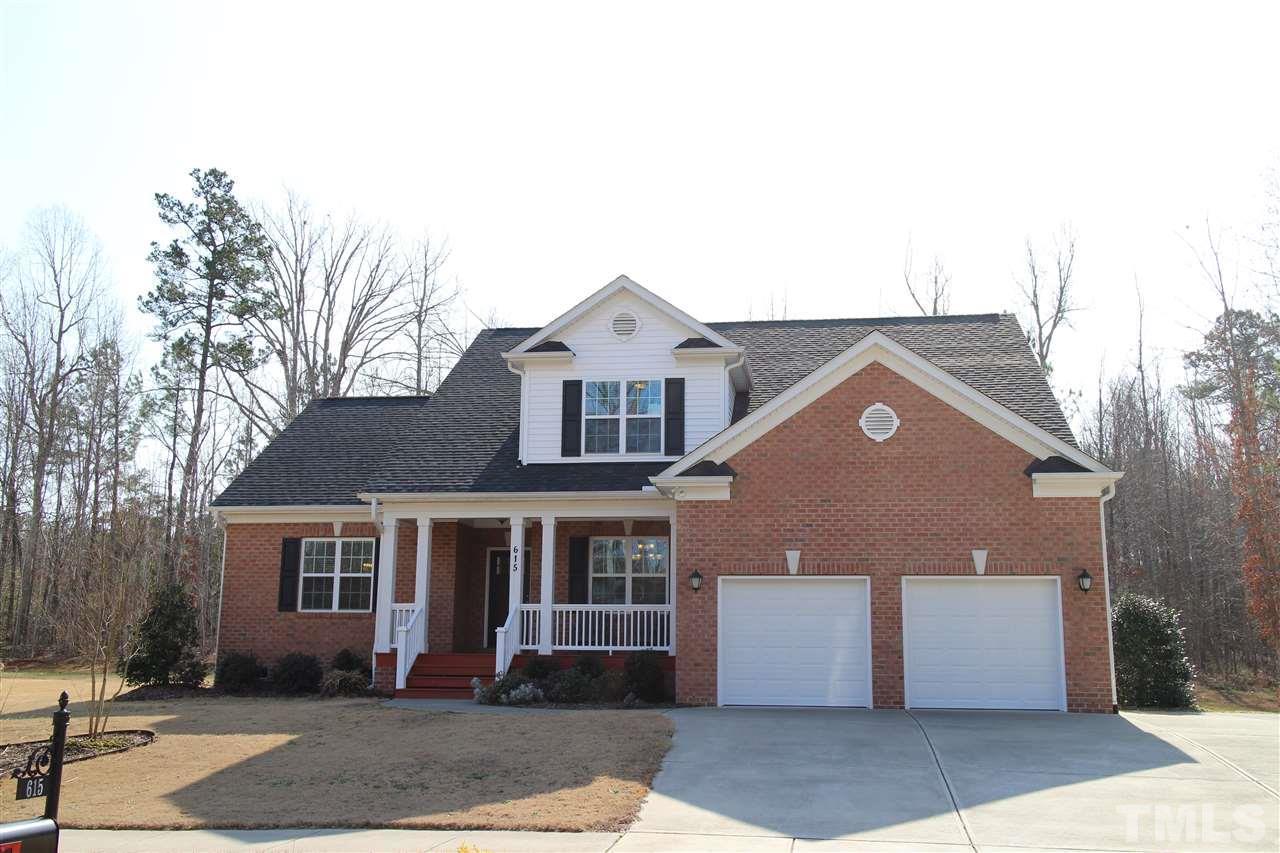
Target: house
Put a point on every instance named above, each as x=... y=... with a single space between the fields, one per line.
x=876 y=512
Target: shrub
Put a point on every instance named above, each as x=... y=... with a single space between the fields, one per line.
x=191 y=669
x=297 y=673
x=344 y=682
x=1152 y=668
x=166 y=633
x=571 y=686
x=493 y=694
x=645 y=677
x=238 y=673
x=538 y=668
x=525 y=694
x=611 y=686
x=348 y=661
x=589 y=665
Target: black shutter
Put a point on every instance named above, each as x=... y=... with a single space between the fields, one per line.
x=571 y=418
x=528 y=577
x=290 y=564
x=579 y=568
x=377 y=549
x=674 y=426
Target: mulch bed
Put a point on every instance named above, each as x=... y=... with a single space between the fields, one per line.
x=78 y=748
x=156 y=692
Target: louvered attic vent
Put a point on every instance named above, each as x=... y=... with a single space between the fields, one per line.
x=624 y=325
x=879 y=422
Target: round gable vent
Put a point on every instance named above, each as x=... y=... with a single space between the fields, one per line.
x=879 y=422
x=624 y=325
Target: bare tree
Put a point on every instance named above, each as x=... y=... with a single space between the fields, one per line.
x=1048 y=295
x=48 y=318
x=931 y=292
x=429 y=343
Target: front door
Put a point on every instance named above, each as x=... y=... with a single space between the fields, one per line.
x=499 y=585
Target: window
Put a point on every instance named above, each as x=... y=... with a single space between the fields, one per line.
x=609 y=424
x=629 y=570
x=337 y=574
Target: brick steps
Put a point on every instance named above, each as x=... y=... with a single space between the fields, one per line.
x=446 y=675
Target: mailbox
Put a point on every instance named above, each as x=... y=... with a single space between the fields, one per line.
x=38 y=835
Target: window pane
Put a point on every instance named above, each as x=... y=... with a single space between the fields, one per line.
x=602 y=435
x=649 y=590
x=649 y=556
x=355 y=593
x=318 y=556
x=644 y=397
x=644 y=435
x=608 y=590
x=357 y=557
x=602 y=398
x=608 y=557
x=317 y=593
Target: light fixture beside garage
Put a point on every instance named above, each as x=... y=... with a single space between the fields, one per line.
x=1085 y=580
x=879 y=422
x=695 y=580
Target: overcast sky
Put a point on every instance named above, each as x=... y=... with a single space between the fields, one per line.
x=721 y=155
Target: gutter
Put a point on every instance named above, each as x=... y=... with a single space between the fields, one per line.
x=1108 y=494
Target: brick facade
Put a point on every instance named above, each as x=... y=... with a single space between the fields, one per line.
x=250 y=621
x=913 y=505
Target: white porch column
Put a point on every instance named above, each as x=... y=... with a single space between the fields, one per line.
x=548 y=592
x=386 y=585
x=515 y=596
x=422 y=573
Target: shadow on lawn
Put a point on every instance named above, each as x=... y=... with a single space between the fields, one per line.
x=275 y=762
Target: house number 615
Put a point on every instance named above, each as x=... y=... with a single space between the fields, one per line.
x=515 y=559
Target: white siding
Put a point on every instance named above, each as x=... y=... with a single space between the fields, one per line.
x=601 y=356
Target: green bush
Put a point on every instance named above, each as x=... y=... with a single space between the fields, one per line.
x=167 y=633
x=344 y=682
x=348 y=661
x=589 y=665
x=1152 y=669
x=611 y=686
x=191 y=669
x=238 y=673
x=571 y=687
x=539 y=667
x=297 y=673
x=645 y=677
x=493 y=694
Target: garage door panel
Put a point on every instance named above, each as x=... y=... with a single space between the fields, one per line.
x=982 y=643
x=794 y=642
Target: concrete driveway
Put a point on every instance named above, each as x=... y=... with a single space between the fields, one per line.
x=844 y=780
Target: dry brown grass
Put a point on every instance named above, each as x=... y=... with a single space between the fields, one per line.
x=242 y=762
x=1238 y=694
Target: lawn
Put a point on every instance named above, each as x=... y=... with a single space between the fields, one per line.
x=256 y=762
x=1239 y=694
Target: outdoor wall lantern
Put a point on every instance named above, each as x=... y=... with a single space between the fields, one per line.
x=1085 y=580
x=695 y=580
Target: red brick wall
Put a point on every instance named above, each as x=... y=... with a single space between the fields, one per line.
x=406 y=561
x=444 y=566
x=250 y=621
x=915 y=504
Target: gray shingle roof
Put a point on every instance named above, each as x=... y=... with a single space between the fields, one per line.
x=466 y=438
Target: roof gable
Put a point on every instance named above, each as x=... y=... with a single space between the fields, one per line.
x=621 y=284
x=879 y=348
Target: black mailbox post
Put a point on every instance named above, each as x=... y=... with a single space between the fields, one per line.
x=41 y=777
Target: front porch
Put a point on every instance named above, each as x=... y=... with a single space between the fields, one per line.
x=461 y=596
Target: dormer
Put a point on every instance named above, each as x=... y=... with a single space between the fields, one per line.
x=623 y=376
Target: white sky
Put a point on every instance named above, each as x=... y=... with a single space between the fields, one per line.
x=717 y=154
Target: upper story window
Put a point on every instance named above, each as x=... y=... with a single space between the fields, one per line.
x=337 y=574
x=618 y=414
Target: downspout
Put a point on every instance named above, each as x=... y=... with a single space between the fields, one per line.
x=1106 y=586
x=519 y=371
x=222 y=584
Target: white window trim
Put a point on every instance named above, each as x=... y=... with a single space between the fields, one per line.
x=622 y=417
x=627 y=542
x=337 y=574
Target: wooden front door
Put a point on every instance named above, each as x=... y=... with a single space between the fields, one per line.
x=499 y=585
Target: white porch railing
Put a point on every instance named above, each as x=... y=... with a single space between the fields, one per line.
x=599 y=627
x=400 y=616
x=411 y=641
x=506 y=642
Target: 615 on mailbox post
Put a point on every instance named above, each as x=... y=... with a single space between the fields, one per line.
x=40 y=777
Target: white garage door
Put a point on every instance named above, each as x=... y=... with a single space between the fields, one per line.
x=794 y=641
x=983 y=643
